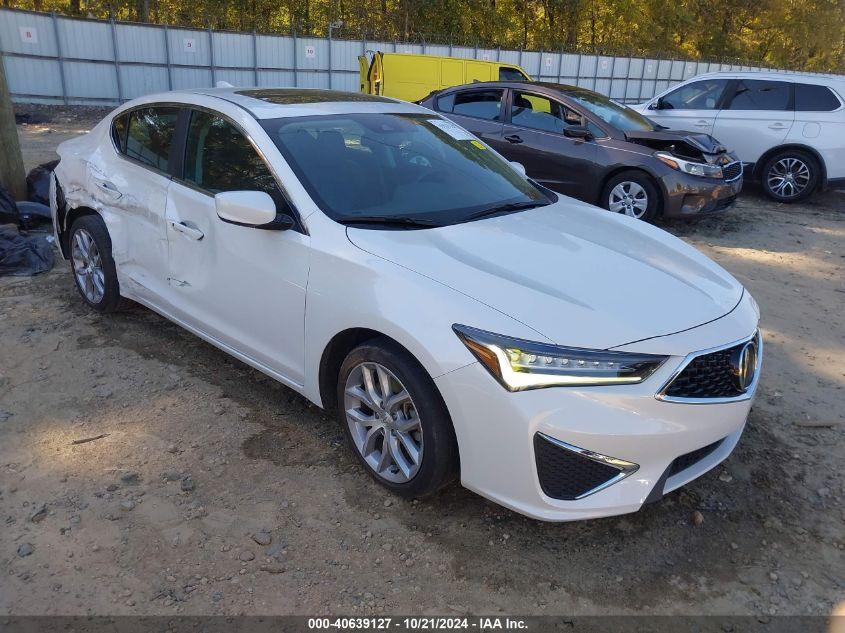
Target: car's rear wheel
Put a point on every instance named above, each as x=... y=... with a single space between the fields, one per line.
x=396 y=420
x=790 y=176
x=92 y=264
x=634 y=194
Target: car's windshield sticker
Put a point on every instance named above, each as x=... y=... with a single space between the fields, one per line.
x=455 y=131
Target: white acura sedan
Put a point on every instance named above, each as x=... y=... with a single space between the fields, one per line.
x=561 y=360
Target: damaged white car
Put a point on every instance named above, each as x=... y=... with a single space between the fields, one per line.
x=462 y=320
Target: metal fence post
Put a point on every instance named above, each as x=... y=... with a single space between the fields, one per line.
x=559 y=65
x=330 y=56
x=60 y=56
x=211 y=59
x=295 y=76
x=578 y=71
x=116 y=62
x=255 y=58
x=642 y=80
x=167 y=58
x=627 y=76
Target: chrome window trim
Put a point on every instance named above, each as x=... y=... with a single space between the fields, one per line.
x=747 y=395
x=624 y=468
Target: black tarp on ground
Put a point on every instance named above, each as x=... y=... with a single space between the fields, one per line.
x=38 y=182
x=8 y=208
x=24 y=254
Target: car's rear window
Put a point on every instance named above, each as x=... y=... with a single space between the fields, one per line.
x=814 y=98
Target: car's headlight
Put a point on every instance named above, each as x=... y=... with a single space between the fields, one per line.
x=705 y=170
x=519 y=364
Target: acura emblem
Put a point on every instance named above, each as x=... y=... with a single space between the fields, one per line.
x=744 y=365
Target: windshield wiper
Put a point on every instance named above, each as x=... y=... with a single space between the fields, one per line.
x=507 y=208
x=390 y=220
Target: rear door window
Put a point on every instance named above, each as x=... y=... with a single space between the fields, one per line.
x=150 y=135
x=754 y=94
x=814 y=98
x=541 y=113
x=478 y=104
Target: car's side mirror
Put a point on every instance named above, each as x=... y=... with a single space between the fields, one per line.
x=251 y=208
x=578 y=131
x=519 y=167
x=656 y=105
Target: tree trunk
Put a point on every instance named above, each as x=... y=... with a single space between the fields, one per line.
x=12 y=175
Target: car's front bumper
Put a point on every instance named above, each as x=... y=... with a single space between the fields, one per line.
x=689 y=196
x=497 y=433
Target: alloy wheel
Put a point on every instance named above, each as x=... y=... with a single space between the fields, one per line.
x=383 y=422
x=788 y=177
x=630 y=198
x=88 y=266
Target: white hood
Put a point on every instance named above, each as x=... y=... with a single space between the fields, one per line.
x=576 y=274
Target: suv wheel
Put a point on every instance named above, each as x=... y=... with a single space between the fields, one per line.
x=93 y=267
x=632 y=193
x=396 y=420
x=790 y=176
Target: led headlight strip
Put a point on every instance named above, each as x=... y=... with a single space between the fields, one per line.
x=519 y=364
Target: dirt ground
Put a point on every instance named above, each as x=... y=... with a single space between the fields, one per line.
x=214 y=490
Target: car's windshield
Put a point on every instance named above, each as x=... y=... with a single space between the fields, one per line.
x=403 y=167
x=618 y=116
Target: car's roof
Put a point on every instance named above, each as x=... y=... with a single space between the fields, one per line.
x=815 y=78
x=270 y=103
x=565 y=89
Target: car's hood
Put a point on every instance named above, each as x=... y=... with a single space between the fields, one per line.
x=576 y=274
x=660 y=139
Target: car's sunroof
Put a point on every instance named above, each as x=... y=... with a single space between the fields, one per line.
x=293 y=96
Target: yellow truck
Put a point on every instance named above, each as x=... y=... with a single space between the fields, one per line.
x=412 y=77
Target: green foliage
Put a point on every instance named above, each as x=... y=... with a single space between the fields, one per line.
x=800 y=34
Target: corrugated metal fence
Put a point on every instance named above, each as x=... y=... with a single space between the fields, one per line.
x=54 y=59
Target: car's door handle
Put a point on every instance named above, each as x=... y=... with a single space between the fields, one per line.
x=189 y=231
x=777 y=126
x=513 y=138
x=109 y=187
x=703 y=123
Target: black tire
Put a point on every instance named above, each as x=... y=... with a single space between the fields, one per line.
x=654 y=197
x=785 y=162
x=439 y=463
x=94 y=226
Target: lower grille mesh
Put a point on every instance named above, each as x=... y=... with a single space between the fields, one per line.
x=565 y=474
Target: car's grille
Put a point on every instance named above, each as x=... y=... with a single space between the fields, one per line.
x=707 y=376
x=692 y=458
x=566 y=474
x=732 y=171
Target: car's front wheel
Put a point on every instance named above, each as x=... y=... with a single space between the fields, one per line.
x=396 y=420
x=790 y=176
x=634 y=194
x=93 y=267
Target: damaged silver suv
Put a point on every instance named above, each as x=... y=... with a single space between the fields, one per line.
x=582 y=144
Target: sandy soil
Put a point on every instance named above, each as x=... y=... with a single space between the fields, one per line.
x=214 y=490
